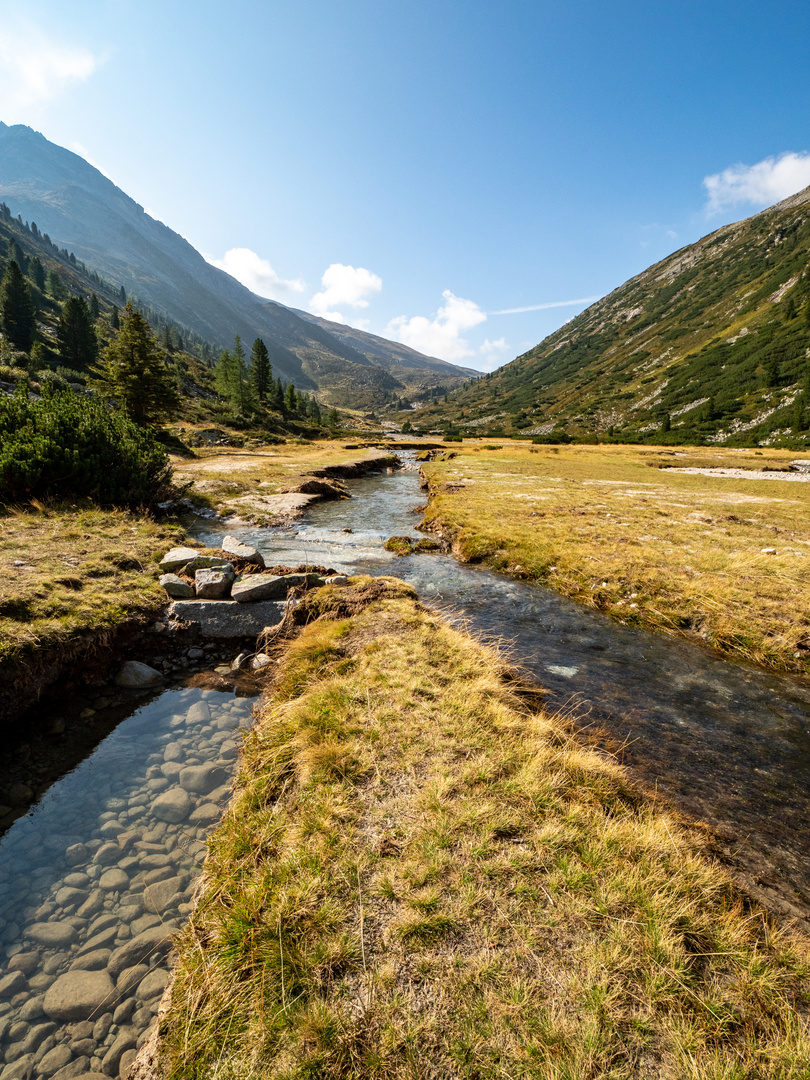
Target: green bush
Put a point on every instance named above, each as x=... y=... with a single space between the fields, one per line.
x=66 y=446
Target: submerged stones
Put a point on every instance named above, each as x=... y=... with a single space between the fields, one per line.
x=77 y=995
x=136 y=676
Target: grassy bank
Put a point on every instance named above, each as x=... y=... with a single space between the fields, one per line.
x=246 y=482
x=65 y=571
x=610 y=527
x=421 y=876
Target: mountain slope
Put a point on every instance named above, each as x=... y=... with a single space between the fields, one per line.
x=410 y=367
x=84 y=211
x=712 y=342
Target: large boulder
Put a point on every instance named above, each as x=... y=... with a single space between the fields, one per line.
x=213 y=584
x=78 y=995
x=231 y=546
x=227 y=618
x=137 y=676
x=176 y=559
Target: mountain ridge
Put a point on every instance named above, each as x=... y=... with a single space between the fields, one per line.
x=85 y=211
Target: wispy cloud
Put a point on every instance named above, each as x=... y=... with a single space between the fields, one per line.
x=256 y=274
x=440 y=335
x=767 y=182
x=544 y=307
x=344 y=286
x=35 y=70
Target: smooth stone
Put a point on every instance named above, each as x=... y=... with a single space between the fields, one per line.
x=67 y=897
x=114 y=880
x=77 y=995
x=92 y=961
x=13 y=983
x=200 y=779
x=103 y=922
x=155 y=942
x=125 y=1040
x=32 y=1009
x=155 y=862
x=128 y=912
x=227 y=618
x=125 y=984
x=52 y=933
x=26 y=962
x=124 y=1012
x=76 y=881
x=171 y=769
x=77 y=1068
x=55 y=1060
x=21 y=1069
x=44 y=1048
x=127 y=1058
x=41 y=981
x=259 y=661
x=177 y=558
x=92 y=904
x=108 y=854
x=146 y=922
x=76 y=855
x=173 y=752
x=102 y=1027
x=82 y=1030
x=136 y=676
x=206 y=814
x=152 y=984
x=252 y=587
x=213 y=584
x=199 y=713
x=112 y=828
x=172 y=806
x=159 y=896
x=176 y=587
x=83 y=1047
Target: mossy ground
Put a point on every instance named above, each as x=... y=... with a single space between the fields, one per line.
x=422 y=876
x=68 y=570
x=609 y=527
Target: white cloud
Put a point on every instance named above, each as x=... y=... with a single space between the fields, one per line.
x=34 y=70
x=344 y=286
x=441 y=335
x=767 y=182
x=257 y=274
x=494 y=346
x=81 y=150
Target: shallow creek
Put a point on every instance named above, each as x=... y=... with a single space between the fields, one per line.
x=102 y=868
x=727 y=743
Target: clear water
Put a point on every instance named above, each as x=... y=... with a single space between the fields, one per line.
x=727 y=743
x=97 y=875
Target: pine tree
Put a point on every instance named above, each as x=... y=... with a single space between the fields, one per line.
x=133 y=371
x=122 y=294
x=56 y=287
x=261 y=373
x=115 y=322
x=36 y=271
x=276 y=396
x=291 y=400
x=18 y=314
x=333 y=418
x=94 y=308
x=76 y=335
x=314 y=412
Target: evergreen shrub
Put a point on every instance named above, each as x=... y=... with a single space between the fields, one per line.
x=66 y=446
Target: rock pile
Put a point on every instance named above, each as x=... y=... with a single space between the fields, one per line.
x=225 y=603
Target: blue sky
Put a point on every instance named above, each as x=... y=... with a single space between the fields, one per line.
x=424 y=169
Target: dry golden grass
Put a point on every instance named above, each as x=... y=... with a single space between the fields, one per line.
x=419 y=877
x=82 y=569
x=678 y=552
x=235 y=481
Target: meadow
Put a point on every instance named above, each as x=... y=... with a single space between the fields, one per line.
x=720 y=558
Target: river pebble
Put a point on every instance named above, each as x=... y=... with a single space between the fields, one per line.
x=93 y=882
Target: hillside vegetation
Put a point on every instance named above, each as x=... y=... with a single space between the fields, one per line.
x=710 y=344
x=421 y=875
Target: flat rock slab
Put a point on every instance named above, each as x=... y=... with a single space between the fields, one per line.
x=231 y=546
x=77 y=995
x=177 y=558
x=255 y=587
x=227 y=618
